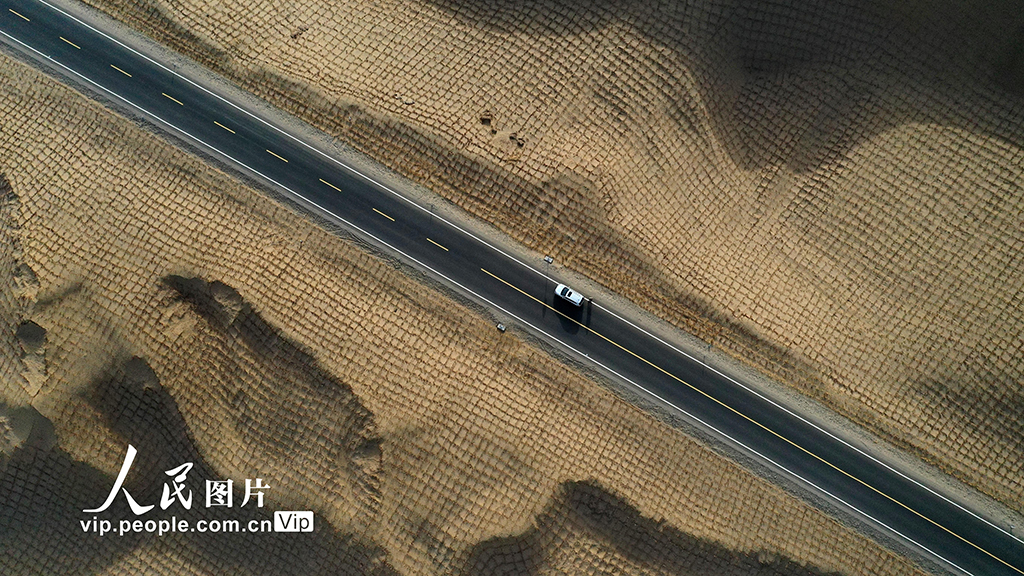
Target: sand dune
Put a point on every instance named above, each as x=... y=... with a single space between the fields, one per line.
x=828 y=190
x=189 y=316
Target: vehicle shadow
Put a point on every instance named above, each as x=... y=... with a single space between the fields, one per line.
x=570 y=316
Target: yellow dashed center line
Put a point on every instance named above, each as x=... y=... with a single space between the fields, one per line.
x=19 y=15
x=436 y=244
x=121 y=71
x=383 y=214
x=172 y=98
x=70 y=42
x=758 y=424
x=223 y=126
x=331 y=185
x=278 y=156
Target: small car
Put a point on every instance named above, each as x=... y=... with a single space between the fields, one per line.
x=566 y=293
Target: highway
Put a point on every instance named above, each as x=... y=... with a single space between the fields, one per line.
x=888 y=501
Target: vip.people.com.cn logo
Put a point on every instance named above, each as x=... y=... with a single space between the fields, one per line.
x=219 y=493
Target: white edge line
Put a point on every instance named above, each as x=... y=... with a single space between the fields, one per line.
x=489 y=245
x=527 y=266
x=296 y=139
x=816 y=427
x=484 y=299
x=531 y=269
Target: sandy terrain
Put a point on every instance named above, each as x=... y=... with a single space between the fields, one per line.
x=150 y=299
x=831 y=192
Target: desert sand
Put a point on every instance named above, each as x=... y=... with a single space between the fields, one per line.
x=147 y=298
x=830 y=191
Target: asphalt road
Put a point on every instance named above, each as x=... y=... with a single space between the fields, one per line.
x=955 y=539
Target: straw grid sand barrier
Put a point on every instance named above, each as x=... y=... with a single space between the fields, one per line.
x=149 y=299
x=831 y=191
